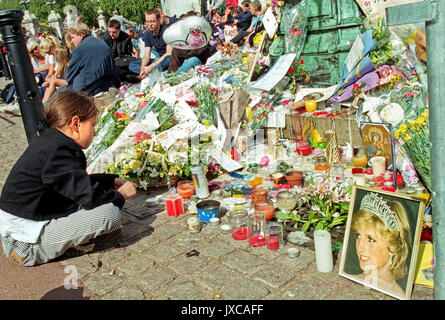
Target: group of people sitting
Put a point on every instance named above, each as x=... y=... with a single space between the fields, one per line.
x=93 y=63
x=247 y=18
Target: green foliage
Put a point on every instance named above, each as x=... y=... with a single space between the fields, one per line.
x=133 y=10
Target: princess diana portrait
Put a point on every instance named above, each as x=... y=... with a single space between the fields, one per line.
x=381 y=241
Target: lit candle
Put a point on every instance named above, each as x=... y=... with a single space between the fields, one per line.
x=257 y=241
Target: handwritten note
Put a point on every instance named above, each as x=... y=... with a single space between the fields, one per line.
x=276 y=73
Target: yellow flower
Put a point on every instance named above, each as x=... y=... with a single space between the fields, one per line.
x=135 y=164
x=206 y=123
x=407 y=138
x=403 y=128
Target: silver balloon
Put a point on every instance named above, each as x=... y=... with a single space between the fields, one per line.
x=189 y=33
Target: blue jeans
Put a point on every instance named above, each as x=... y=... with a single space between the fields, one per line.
x=135 y=66
x=189 y=63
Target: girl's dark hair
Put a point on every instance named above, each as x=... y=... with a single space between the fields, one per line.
x=63 y=106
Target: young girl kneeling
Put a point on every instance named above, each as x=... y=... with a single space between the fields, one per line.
x=49 y=203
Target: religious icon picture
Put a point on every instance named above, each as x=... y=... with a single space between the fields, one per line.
x=382 y=240
x=379 y=147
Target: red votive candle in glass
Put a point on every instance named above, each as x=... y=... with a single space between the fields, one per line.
x=257 y=241
x=273 y=243
x=240 y=234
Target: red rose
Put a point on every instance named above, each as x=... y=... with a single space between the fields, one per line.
x=355 y=87
x=301 y=61
x=291 y=70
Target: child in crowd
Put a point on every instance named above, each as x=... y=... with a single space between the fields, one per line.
x=49 y=202
x=255 y=27
x=244 y=19
x=47 y=47
x=62 y=56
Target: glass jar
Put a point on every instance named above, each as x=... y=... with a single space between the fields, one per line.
x=264 y=207
x=256 y=230
x=258 y=194
x=185 y=189
x=239 y=221
x=286 y=200
x=274 y=236
x=359 y=158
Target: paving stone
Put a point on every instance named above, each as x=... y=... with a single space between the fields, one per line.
x=187 y=265
x=102 y=283
x=153 y=278
x=216 y=249
x=243 y=261
x=305 y=288
x=274 y=275
x=135 y=264
x=128 y=291
x=245 y=289
x=112 y=257
x=144 y=243
x=216 y=277
x=133 y=232
x=167 y=231
x=165 y=251
x=190 y=240
x=184 y=291
x=301 y=262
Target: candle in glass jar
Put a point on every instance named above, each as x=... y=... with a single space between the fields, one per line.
x=257 y=241
x=286 y=203
x=265 y=207
x=273 y=243
x=193 y=224
x=240 y=234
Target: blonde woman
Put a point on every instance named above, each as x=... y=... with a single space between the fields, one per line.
x=38 y=61
x=47 y=47
x=382 y=242
x=62 y=56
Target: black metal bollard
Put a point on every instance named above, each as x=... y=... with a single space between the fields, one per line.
x=25 y=84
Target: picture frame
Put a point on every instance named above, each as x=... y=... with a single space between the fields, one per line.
x=367 y=257
x=385 y=145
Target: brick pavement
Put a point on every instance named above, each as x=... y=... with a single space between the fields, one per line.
x=148 y=259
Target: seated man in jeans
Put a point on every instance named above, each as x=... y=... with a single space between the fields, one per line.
x=92 y=68
x=153 y=40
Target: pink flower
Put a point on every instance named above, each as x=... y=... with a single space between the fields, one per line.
x=140 y=135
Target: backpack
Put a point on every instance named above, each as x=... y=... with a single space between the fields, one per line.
x=8 y=93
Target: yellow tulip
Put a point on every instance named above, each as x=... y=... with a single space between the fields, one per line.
x=249 y=113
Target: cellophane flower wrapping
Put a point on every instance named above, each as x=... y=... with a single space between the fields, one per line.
x=413 y=133
x=295 y=23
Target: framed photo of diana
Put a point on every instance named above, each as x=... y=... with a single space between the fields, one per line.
x=381 y=240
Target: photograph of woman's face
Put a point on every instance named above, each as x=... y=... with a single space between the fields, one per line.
x=372 y=249
x=379 y=246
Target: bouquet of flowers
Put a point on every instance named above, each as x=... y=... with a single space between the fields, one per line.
x=145 y=163
x=207 y=100
x=327 y=204
x=414 y=137
x=384 y=53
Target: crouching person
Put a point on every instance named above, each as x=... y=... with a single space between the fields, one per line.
x=49 y=202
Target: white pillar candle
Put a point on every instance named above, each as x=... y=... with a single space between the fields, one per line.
x=323 y=251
